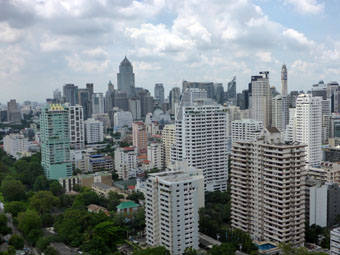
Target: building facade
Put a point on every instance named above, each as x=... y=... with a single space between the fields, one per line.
x=126 y=78
x=125 y=161
x=168 y=139
x=16 y=145
x=140 y=137
x=76 y=124
x=94 y=131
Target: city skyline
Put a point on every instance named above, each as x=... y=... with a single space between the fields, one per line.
x=167 y=42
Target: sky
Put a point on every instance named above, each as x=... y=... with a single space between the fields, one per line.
x=45 y=44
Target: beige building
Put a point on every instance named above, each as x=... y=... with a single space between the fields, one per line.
x=168 y=138
x=267 y=188
x=326 y=172
x=140 y=137
x=85 y=180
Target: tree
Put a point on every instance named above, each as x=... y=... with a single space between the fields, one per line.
x=16 y=241
x=136 y=196
x=138 y=219
x=190 y=251
x=224 y=248
x=288 y=249
x=13 y=190
x=43 y=202
x=15 y=207
x=4 y=229
x=153 y=251
x=113 y=200
x=56 y=188
x=41 y=183
x=28 y=221
x=51 y=251
x=110 y=234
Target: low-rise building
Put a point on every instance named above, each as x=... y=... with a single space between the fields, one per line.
x=127 y=208
x=100 y=162
x=102 y=188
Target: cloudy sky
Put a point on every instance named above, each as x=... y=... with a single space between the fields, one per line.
x=47 y=43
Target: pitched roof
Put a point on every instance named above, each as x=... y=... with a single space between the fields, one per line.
x=127 y=204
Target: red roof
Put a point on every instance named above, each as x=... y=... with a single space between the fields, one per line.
x=132 y=187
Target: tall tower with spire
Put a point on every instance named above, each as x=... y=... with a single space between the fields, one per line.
x=126 y=78
x=284 y=78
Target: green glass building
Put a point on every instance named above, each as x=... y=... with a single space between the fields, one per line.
x=55 y=141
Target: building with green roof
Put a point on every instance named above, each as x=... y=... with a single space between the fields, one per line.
x=127 y=208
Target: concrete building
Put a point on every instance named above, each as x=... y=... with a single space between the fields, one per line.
x=172 y=202
x=135 y=108
x=326 y=172
x=280 y=113
x=261 y=99
x=109 y=97
x=174 y=98
x=246 y=130
x=324 y=204
x=70 y=93
x=122 y=119
x=156 y=155
x=230 y=94
x=168 y=138
x=159 y=92
x=55 y=141
x=335 y=242
x=76 y=125
x=267 y=190
x=100 y=162
x=140 y=137
x=97 y=103
x=13 y=112
x=284 y=81
x=84 y=100
x=125 y=161
x=201 y=139
x=94 y=131
x=126 y=78
x=207 y=86
x=16 y=145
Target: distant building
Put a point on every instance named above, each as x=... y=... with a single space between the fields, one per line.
x=125 y=161
x=284 y=80
x=174 y=98
x=231 y=92
x=159 y=92
x=168 y=138
x=76 y=124
x=156 y=155
x=207 y=86
x=16 y=145
x=140 y=137
x=13 y=112
x=135 y=108
x=85 y=101
x=94 y=132
x=55 y=141
x=122 y=119
x=126 y=78
x=97 y=103
x=246 y=130
x=100 y=162
x=70 y=93
x=102 y=189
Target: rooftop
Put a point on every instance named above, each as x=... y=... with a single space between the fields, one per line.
x=101 y=185
x=127 y=205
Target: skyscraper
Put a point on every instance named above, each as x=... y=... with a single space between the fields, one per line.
x=201 y=139
x=57 y=95
x=70 y=93
x=261 y=98
x=280 y=114
x=85 y=102
x=13 y=112
x=174 y=98
x=76 y=124
x=267 y=191
x=159 y=92
x=55 y=141
x=97 y=103
x=207 y=86
x=109 y=97
x=126 y=78
x=231 y=92
x=284 y=80
x=219 y=93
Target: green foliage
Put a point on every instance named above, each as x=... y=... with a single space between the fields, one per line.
x=190 y=251
x=16 y=241
x=45 y=241
x=113 y=200
x=312 y=233
x=15 y=207
x=152 y=251
x=86 y=198
x=43 y=202
x=4 y=229
x=138 y=220
x=28 y=221
x=56 y=188
x=224 y=248
x=50 y=251
x=136 y=196
x=13 y=190
x=288 y=249
x=77 y=171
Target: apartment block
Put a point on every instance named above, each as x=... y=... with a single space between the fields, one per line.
x=335 y=242
x=156 y=155
x=168 y=139
x=94 y=131
x=16 y=145
x=246 y=130
x=76 y=124
x=125 y=161
x=140 y=137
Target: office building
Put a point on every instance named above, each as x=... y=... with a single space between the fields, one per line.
x=280 y=112
x=55 y=141
x=333 y=95
x=140 y=137
x=70 y=93
x=156 y=155
x=261 y=99
x=13 y=112
x=109 y=98
x=57 y=96
x=335 y=125
x=16 y=145
x=246 y=130
x=135 y=108
x=126 y=78
x=159 y=92
x=172 y=201
x=85 y=102
x=324 y=204
x=174 y=98
x=97 y=103
x=94 y=131
x=168 y=138
x=76 y=125
x=125 y=161
x=122 y=119
x=284 y=81
x=207 y=86
x=267 y=191
x=201 y=139
x=231 y=92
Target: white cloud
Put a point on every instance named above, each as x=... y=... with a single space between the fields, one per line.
x=80 y=63
x=96 y=52
x=307 y=6
x=265 y=56
x=12 y=61
x=298 y=37
x=145 y=66
x=56 y=43
x=9 y=34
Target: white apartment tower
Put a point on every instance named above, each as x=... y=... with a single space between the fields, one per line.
x=246 y=130
x=172 y=201
x=309 y=126
x=280 y=115
x=261 y=99
x=125 y=161
x=168 y=139
x=94 y=131
x=76 y=124
x=156 y=155
x=267 y=190
x=201 y=139
x=16 y=145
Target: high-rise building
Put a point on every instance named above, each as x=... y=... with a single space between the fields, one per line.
x=13 y=112
x=280 y=113
x=135 y=108
x=85 y=102
x=126 y=78
x=16 y=145
x=267 y=191
x=57 y=95
x=320 y=90
x=207 y=86
x=125 y=161
x=109 y=98
x=159 y=92
x=174 y=98
x=219 y=93
x=94 y=131
x=120 y=100
x=231 y=92
x=291 y=98
x=168 y=138
x=140 y=137
x=122 y=119
x=332 y=94
x=246 y=130
x=156 y=155
x=284 y=80
x=146 y=101
x=76 y=124
x=70 y=93
x=97 y=103
x=171 y=210
x=55 y=141
x=308 y=126
x=201 y=139
x=261 y=99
